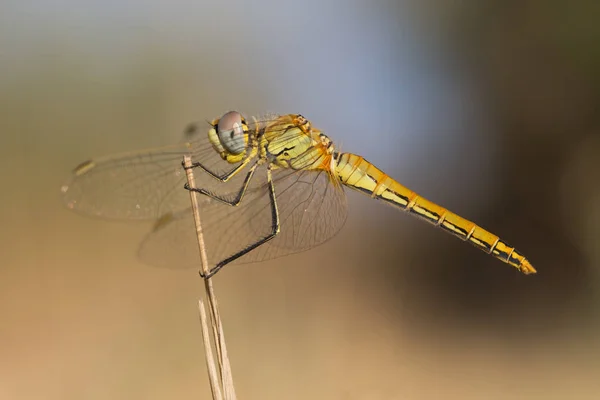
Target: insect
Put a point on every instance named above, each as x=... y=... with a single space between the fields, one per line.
x=270 y=186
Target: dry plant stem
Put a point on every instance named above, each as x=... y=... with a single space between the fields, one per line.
x=215 y=388
x=226 y=381
x=187 y=163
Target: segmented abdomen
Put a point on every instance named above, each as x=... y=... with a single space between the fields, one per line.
x=359 y=174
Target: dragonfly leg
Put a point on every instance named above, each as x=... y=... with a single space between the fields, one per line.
x=230 y=202
x=275 y=228
x=223 y=177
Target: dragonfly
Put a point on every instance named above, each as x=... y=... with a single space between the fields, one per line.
x=270 y=186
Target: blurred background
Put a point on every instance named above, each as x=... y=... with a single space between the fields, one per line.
x=489 y=108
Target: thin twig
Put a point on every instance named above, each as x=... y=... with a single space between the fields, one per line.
x=215 y=387
x=226 y=381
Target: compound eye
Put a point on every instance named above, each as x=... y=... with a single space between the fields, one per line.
x=230 y=130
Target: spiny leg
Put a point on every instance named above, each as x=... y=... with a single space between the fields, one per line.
x=275 y=228
x=225 y=176
x=239 y=196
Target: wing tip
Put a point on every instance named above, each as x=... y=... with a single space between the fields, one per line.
x=84 y=167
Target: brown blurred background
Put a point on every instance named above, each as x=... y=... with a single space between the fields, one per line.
x=487 y=107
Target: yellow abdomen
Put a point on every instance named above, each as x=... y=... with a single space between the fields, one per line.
x=359 y=174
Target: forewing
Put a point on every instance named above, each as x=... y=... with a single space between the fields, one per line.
x=140 y=185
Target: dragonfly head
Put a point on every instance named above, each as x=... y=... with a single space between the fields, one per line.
x=229 y=136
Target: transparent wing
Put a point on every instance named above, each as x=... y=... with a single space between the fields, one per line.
x=149 y=184
x=137 y=185
x=312 y=209
x=141 y=185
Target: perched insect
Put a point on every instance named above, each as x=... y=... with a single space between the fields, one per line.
x=270 y=187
